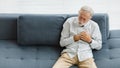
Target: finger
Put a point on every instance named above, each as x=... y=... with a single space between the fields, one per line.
x=82 y=33
x=83 y=37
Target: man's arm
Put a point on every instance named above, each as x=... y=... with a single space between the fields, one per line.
x=66 y=39
x=96 y=38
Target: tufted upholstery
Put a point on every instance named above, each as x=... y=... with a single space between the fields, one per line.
x=16 y=29
x=109 y=55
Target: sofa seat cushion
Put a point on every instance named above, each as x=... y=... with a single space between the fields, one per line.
x=48 y=55
x=17 y=63
x=109 y=55
x=14 y=56
x=47 y=52
x=48 y=64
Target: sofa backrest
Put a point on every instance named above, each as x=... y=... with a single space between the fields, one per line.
x=8 y=28
x=103 y=22
x=41 y=29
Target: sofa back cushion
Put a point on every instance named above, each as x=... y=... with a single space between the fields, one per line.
x=40 y=29
x=102 y=20
x=8 y=26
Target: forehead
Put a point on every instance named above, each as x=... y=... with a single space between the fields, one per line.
x=85 y=13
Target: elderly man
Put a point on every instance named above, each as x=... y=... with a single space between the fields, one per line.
x=79 y=36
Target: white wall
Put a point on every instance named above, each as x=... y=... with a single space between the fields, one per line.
x=62 y=7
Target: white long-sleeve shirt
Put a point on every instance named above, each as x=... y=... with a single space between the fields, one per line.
x=80 y=48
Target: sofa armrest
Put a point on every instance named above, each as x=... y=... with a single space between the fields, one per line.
x=114 y=34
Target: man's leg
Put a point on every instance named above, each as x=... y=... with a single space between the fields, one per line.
x=64 y=61
x=89 y=63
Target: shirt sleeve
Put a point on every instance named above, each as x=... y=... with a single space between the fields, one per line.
x=66 y=39
x=96 y=38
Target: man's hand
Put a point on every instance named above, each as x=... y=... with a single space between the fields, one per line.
x=85 y=37
x=76 y=37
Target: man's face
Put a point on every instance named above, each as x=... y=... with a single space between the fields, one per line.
x=84 y=17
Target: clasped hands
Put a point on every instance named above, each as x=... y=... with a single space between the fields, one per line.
x=84 y=36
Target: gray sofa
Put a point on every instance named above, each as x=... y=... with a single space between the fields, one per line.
x=32 y=41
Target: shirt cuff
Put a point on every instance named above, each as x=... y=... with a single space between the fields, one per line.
x=92 y=44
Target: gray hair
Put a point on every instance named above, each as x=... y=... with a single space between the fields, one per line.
x=88 y=9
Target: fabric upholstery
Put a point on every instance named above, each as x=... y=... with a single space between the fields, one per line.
x=29 y=33
x=102 y=20
x=8 y=28
x=40 y=29
x=14 y=56
x=109 y=55
x=41 y=54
